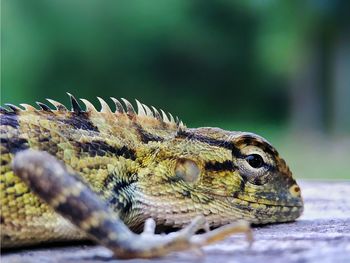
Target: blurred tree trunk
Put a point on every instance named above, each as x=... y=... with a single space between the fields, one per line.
x=306 y=97
x=341 y=78
x=320 y=89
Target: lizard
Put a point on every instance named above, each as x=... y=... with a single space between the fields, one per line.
x=105 y=175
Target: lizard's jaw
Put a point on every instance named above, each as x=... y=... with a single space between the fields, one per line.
x=219 y=210
x=265 y=213
x=270 y=204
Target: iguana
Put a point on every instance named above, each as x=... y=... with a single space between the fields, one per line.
x=104 y=175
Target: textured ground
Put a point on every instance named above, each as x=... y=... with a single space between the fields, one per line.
x=322 y=234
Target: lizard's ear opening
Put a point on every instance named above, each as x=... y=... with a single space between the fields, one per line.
x=187 y=170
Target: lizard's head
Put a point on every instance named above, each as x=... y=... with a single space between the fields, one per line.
x=225 y=176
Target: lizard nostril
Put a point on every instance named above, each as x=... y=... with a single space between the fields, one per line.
x=294 y=190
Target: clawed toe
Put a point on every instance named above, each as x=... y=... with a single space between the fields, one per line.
x=149 y=227
x=149 y=245
x=196 y=224
x=223 y=232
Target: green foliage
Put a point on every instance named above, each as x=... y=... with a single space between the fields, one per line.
x=211 y=58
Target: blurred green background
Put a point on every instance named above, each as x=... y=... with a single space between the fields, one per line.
x=277 y=68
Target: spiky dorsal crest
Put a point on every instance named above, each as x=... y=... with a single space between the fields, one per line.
x=89 y=107
x=59 y=106
x=104 y=106
x=143 y=111
x=75 y=104
x=43 y=106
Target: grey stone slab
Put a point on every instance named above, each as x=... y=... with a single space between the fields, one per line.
x=321 y=235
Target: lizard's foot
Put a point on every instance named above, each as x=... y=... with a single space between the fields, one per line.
x=149 y=245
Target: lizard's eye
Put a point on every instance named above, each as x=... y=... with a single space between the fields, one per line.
x=255 y=160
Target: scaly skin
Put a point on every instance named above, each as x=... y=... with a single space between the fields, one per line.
x=75 y=174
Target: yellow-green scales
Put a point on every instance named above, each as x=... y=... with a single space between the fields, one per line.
x=128 y=166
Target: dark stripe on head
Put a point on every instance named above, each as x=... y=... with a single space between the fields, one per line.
x=266 y=147
x=80 y=120
x=14 y=145
x=146 y=137
x=220 y=166
x=101 y=148
x=9 y=119
x=211 y=141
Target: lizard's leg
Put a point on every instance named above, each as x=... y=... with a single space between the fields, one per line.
x=68 y=196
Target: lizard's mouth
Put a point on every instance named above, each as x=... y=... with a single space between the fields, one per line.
x=293 y=204
x=259 y=211
x=266 y=211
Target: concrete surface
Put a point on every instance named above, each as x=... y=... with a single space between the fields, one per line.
x=321 y=235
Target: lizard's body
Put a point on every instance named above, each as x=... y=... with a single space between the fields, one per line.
x=141 y=166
